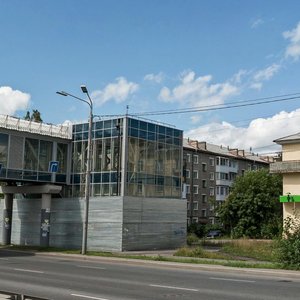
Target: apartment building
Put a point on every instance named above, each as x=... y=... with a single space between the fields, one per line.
x=208 y=173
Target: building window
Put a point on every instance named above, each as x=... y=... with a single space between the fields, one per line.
x=188 y=158
x=188 y=189
x=204 y=167
x=212 y=176
x=195 y=159
x=204 y=198
x=195 y=220
x=203 y=213
x=204 y=185
x=211 y=161
x=211 y=191
x=195 y=174
x=187 y=173
x=195 y=189
x=195 y=205
x=188 y=205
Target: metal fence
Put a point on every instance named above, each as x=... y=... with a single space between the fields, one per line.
x=15 y=296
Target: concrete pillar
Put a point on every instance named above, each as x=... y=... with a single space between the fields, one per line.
x=7 y=218
x=45 y=220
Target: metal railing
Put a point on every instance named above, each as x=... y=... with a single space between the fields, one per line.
x=16 y=296
x=61 y=131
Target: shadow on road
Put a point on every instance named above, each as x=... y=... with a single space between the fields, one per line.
x=4 y=252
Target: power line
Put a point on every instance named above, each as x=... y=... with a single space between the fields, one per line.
x=229 y=105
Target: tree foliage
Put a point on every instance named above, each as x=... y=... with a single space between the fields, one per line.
x=35 y=116
x=252 y=208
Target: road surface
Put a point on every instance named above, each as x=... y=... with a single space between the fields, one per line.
x=61 y=277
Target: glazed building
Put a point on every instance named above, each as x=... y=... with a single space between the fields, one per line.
x=135 y=190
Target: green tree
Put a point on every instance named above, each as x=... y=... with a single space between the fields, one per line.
x=252 y=208
x=35 y=116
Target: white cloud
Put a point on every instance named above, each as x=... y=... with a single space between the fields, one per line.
x=12 y=100
x=117 y=92
x=195 y=119
x=293 y=49
x=199 y=91
x=260 y=133
x=264 y=75
x=256 y=23
x=158 y=78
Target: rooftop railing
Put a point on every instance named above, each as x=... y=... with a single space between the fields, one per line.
x=14 y=123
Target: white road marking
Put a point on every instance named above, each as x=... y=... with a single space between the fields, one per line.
x=173 y=287
x=88 y=297
x=228 y=279
x=31 y=271
x=3 y=258
x=89 y=267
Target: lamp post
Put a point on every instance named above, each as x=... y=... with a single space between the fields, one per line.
x=88 y=166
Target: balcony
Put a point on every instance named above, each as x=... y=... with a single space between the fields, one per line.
x=292 y=166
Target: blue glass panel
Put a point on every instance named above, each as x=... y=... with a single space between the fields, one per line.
x=85 y=135
x=99 y=125
x=177 y=141
x=61 y=178
x=169 y=140
x=15 y=174
x=143 y=125
x=98 y=134
x=143 y=134
x=134 y=132
x=114 y=132
x=107 y=124
x=162 y=129
x=169 y=131
x=85 y=127
x=75 y=178
x=44 y=177
x=78 y=127
x=105 y=177
x=134 y=123
x=114 y=177
x=161 y=138
x=107 y=133
x=97 y=178
x=30 y=175
x=151 y=127
x=78 y=136
x=151 y=136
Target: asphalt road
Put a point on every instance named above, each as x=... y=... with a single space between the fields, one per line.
x=68 y=277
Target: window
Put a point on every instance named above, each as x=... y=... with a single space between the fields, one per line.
x=188 y=157
x=187 y=173
x=211 y=191
x=204 y=167
x=221 y=161
x=195 y=205
x=195 y=159
x=188 y=205
x=211 y=161
x=188 y=190
x=195 y=174
x=204 y=185
x=195 y=220
x=204 y=198
x=203 y=213
x=212 y=176
x=195 y=189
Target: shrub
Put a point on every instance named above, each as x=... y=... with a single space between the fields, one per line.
x=288 y=251
x=192 y=239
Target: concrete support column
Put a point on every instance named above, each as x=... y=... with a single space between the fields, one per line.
x=7 y=218
x=45 y=220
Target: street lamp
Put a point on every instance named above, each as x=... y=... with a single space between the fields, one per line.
x=88 y=166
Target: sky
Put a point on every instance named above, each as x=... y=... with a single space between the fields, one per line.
x=157 y=56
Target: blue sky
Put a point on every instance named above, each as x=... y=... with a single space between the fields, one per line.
x=156 y=55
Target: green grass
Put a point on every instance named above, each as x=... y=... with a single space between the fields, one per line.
x=258 y=250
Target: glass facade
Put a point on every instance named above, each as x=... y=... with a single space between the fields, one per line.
x=3 y=152
x=106 y=157
x=152 y=162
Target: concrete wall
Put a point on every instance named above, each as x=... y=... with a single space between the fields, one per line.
x=152 y=223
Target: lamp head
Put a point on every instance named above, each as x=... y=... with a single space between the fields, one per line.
x=84 y=89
